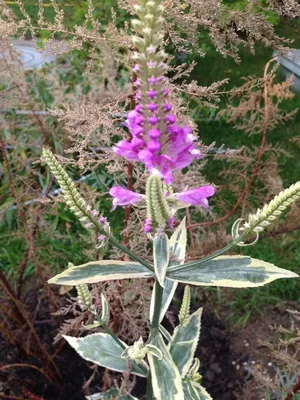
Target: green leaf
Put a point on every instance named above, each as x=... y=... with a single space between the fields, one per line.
x=194 y=391
x=104 y=308
x=110 y=395
x=168 y=293
x=98 y=271
x=177 y=256
x=184 y=342
x=101 y=349
x=178 y=244
x=230 y=271
x=161 y=256
x=166 y=381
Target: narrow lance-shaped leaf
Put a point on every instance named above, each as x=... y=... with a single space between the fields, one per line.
x=104 y=308
x=230 y=271
x=166 y=381
x=101 y=349
x=161 y=256
x=184 y=342
x=194 y=391
x=177 y=256
x=98 y=271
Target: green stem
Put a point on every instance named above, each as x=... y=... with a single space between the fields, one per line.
x=111 y=239
x=154 y=329
x=210 y=257
x=149 y=387
x=157 y=306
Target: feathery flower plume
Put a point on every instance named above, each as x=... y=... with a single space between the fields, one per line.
x=157 y=141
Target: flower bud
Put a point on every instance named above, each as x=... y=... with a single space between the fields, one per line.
x=157 y=207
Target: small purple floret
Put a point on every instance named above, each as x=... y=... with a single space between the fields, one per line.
x=154 y=133
x=152 y=94
x=152 y=107
x=153 y=120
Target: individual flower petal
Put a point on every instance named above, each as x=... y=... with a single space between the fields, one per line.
x=124 y=197
x=125 y=149
x=196 y=197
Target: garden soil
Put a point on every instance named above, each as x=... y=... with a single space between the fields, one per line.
x=223 y=358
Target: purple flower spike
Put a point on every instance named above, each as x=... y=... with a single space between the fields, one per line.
x=153 y=120
x=165 y=92
x=196 y=197
x=154 y=133
x=152 y=94
x=124 y=197
x=101 y=238
x=102 y=220
x=152 y=107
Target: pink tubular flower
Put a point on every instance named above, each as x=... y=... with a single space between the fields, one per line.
x=124 y=197
x=193 y=197
x=196 y=197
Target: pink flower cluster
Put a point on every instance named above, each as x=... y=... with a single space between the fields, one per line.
x=157 y=141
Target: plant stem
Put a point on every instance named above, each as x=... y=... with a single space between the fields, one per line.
x=149 y=395
x=154 y=329
x=157 y=306
x=210 y=257
x=110 y=238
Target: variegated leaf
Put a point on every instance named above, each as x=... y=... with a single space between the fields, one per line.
x=110 y=395
x=101 y=349
x=177 y=256
x=161 y=256
x=166 y=381
x=98 y=271
x=230 y=271
x=184 y=342
x=178 y=244
x=168 y=293
x=194 y=391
